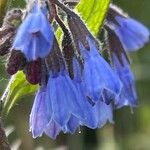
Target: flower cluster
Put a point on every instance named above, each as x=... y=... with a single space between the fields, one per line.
x=77 y=86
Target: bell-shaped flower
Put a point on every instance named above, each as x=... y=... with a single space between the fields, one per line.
x=132 y=34
x=99 y=79
x=97 y=114
x=35 y=35
x=64 y=98
x=128 y=96
x=40 y=114
x=42 y=121
x=100 y=82
x=121 y=66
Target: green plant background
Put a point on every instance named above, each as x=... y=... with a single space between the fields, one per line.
x=130 y=131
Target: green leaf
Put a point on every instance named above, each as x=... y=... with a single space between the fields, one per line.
x=93 y=13
x=17 y=87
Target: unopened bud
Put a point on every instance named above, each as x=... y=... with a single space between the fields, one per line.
x=33 y=71
x=16 y=62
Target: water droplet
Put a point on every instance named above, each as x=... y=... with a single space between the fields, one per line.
x=79 y=130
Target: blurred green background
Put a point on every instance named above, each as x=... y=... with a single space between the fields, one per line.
x=130 y=131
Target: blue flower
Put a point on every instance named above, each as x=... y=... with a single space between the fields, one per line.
x=96 y=114
x=90 y=119
x=42 y=117
x=40 y=114
x=128 y=96
x=35 y=36
x=132 y=33
x=67 y=99
x=100 y=82
x=121 y=66
x=64 y=98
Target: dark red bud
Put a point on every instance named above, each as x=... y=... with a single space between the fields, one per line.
x=33 y=71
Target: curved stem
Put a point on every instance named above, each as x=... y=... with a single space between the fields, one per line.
x=55 y=15
x=61 y=24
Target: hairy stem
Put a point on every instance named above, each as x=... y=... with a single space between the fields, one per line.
x=62 y=6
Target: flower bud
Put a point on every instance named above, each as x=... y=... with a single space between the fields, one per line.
x=15 y=62
x=33 y=71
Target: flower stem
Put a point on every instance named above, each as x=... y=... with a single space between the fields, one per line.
x=62 y=6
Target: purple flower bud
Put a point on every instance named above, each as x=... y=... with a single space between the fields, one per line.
x=33 y=71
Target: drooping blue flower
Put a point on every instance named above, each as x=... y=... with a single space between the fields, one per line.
x=64 y=98
x=100 y=82
x=97 y=114
x=90 y=119
x=128 y=96
x=40 y=114
x=42 y=121
x=35 y=35
x=121 y=66
x=68 y=106
x=132 y=33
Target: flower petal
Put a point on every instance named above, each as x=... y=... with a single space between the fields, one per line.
x=39 y=116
